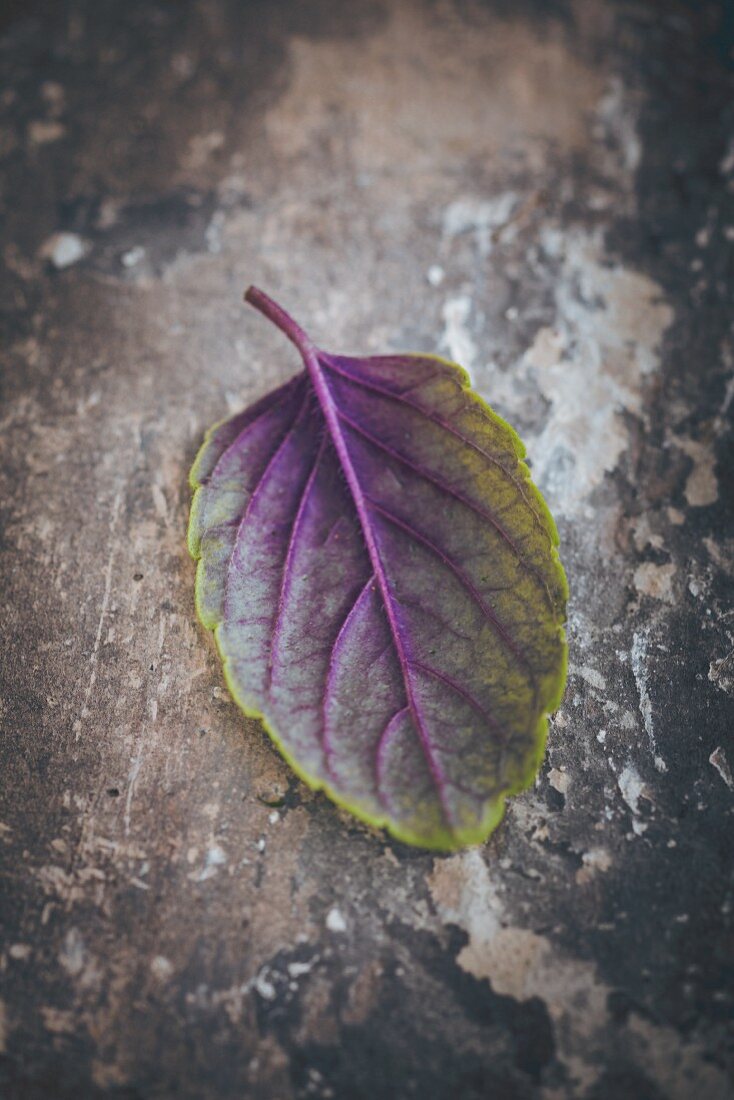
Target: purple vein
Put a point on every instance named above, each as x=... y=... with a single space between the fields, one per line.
x=331 y=414
x=439 y=482
x=257 y=489
x=459 y=690
x=288 y=391
x=290 y=553
x=464 y=579
x=338 y=642
x=392 y=395
x=380 y=754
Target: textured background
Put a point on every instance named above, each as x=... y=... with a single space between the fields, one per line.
x=542 y=190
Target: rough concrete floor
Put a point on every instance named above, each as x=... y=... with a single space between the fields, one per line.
x=542 y=190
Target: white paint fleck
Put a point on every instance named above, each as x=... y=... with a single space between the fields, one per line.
x=264 y=986
x=719 y=761
x=161 y=967
x=592 y=677
x=133 y=256
x=335 y=921
x=631 y=786
x=638 y=661
x=435 y=275
x=215 y=856
x=298 y=969
x=456 y=335
x=63 y=249
x=73 y=953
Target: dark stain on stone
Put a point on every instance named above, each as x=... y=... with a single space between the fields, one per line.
x=526 y=1023
x=624 y=1081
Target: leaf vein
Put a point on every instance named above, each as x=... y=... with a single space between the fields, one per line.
x=428 y=475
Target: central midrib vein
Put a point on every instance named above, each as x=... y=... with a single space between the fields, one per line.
x=310 y=354
x=329 y=409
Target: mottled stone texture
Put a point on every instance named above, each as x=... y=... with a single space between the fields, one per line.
x=544 y=191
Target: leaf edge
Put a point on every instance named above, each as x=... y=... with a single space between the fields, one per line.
x=442 y=841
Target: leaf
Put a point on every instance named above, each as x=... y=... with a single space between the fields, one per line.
x=383 y=583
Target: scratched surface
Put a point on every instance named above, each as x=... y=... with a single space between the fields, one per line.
x=543 y=191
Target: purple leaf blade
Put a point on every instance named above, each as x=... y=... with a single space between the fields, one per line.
x=385 y=588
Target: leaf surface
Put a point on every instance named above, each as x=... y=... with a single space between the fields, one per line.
x=383 y=582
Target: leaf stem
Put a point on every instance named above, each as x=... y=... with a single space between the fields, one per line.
x=282 y=320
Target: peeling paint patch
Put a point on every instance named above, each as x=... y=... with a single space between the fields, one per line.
x=592 y=676
x=480 y=217
x=702 y=486
x=719 y=761
x=655 y=581
x=721 y=673
x=521 y=963
x=558 y=780
x=596 y=860
x=632 y=788
x=592 y=365
x=464 y=893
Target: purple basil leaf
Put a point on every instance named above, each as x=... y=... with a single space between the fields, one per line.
x=383 y=583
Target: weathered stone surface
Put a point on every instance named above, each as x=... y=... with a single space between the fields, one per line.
x=544 y=191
